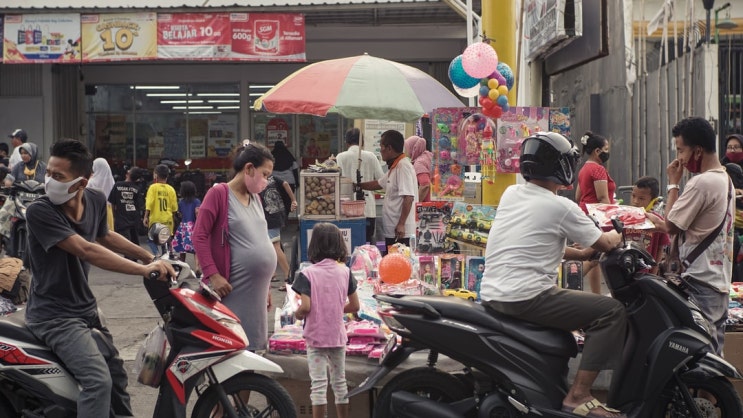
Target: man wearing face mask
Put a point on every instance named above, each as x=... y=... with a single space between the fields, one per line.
x=706 y=203
x=67 y=232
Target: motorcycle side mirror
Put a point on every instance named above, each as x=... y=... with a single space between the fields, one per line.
x=619 y=227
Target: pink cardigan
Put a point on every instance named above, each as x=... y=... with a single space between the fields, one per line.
x=210 y=235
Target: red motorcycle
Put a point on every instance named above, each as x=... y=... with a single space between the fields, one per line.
x=207 y=356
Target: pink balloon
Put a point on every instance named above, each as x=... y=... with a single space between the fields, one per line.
x=479 y=60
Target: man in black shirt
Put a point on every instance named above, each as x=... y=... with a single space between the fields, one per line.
x=67 y=231
x=127 y=201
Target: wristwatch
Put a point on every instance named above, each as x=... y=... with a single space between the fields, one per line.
x=671 y=187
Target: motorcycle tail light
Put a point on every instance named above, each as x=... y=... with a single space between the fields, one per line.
x=395 y=325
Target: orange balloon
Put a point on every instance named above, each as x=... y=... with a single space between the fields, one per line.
x=395 y=268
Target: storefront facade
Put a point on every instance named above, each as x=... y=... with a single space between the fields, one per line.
x=141 y=112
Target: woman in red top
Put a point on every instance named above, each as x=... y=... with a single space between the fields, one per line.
x=594 y=186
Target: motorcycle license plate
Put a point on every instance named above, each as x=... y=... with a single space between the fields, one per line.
x=27 y=196
x=388 y=348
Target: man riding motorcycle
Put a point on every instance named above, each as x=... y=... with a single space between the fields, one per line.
x=524 y=249
x=68 y=232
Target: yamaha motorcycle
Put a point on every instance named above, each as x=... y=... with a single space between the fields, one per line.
x=515 y=369
x=207 y=357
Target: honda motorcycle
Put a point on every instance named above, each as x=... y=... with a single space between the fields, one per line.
x=514 y=369
x=207 y=357
x=22 y=193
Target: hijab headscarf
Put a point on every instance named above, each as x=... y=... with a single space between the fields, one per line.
x=415 y=148
x=283 y=159
x=733 y=156
x=102 y=179
x=29 y=168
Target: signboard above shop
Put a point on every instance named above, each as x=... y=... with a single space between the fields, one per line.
x=74 y=38
x=551 y=24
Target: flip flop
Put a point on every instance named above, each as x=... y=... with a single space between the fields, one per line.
x=282 y=288
x=588 y=409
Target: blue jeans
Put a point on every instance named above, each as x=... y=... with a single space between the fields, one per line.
x=86 y=348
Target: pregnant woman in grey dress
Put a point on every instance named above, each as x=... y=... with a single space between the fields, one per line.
x=232 y=246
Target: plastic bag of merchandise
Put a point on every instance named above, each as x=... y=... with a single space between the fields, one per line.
x=150 y=361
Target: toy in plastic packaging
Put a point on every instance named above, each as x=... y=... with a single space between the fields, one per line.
x=150 y=361
x=514 y=126
x=364 y=261
x=475 y=271
x=632 y=217
x=451 y=271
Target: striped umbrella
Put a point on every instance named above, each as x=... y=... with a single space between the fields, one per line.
x=361 y=87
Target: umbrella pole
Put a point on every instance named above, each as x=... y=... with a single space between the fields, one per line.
x=359 y=192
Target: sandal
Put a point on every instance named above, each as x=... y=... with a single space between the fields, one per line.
x=590 y=409
x=282 y=288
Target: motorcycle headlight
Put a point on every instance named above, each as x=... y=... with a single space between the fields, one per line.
x=701 y=322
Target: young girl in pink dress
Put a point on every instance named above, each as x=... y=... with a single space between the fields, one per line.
x=328 y=290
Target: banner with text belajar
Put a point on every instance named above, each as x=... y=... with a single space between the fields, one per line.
x=194 y=36
x=119 y=37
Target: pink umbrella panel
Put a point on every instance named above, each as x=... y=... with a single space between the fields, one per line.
x=361 y=87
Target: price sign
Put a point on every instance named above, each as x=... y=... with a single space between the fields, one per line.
x=119 y=37
x=200 y=36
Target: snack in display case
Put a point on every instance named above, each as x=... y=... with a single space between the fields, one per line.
x=319 y=195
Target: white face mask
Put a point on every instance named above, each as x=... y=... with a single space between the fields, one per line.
x=57 y=190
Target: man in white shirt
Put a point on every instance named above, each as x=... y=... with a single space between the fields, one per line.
x=18 y=138
x=525 y=247
x=349 y=161
x=401 y=190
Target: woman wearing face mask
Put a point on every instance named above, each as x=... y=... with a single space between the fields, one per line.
x=595 y=185
x=31 y=169
x=235 y=253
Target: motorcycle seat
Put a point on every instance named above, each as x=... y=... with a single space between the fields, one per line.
x=553 y=341
x=13 y=327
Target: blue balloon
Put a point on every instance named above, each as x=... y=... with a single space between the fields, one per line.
x=444 y=142
x=459 y=77
x=484 y=90
x=502 y=100
x=507 y=73
x=505 y=107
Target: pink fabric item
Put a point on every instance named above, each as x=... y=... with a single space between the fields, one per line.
x=415 y=148
x=324 y=325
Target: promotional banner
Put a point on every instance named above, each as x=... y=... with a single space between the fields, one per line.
x=119 y=37
x=268 y=37
x=194 y=36
x=39 y=38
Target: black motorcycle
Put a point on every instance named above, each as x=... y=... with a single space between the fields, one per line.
x=21 y=194
x=514 y=369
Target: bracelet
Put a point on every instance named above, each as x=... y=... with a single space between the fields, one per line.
x=671 y=187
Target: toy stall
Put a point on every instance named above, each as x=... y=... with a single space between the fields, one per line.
x=475 y=154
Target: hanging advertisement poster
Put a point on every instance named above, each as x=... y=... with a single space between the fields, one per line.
x=514 y=126
x=193 y=36
x=372 y=134
x=222 y=135
x=39 y=38
x=277 y=130
x=119 y=37
x=268 y=37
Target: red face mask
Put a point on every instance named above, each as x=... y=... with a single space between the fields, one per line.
x=735 y=156
x=694 y=165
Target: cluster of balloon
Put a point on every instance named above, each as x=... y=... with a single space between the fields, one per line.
x=477 y=73
x=395 y=268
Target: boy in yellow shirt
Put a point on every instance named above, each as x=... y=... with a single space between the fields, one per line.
x=161 y=202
